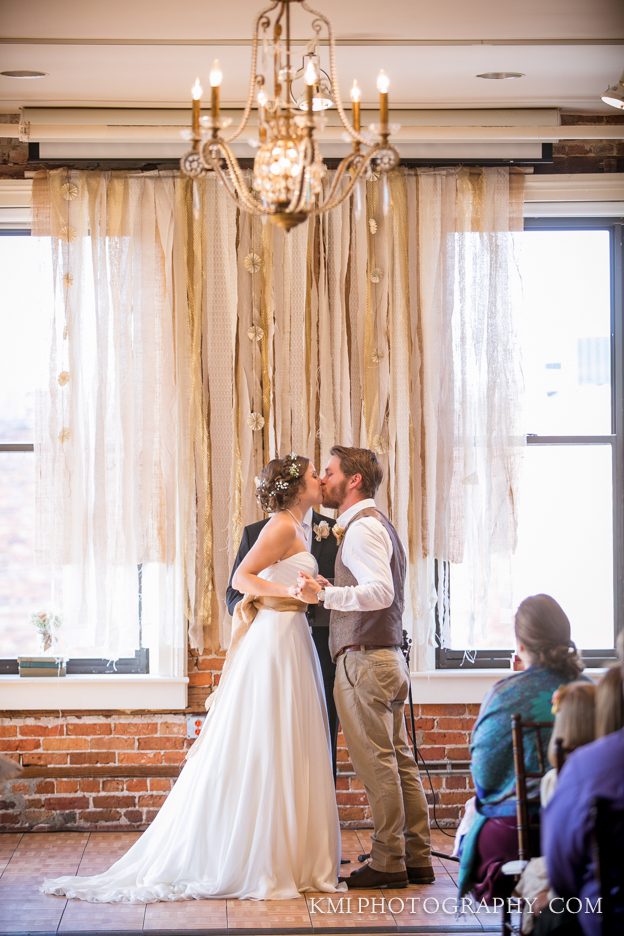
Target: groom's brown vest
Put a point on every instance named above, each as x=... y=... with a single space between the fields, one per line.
x=381 y=628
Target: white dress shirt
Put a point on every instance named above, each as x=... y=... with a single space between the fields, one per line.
x=366 y=552
x=306 y=523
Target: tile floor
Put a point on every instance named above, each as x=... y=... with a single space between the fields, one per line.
x=27 y=858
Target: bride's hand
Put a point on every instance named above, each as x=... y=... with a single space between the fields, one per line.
x=294 y=591
x=308 y=588
x=323 y=582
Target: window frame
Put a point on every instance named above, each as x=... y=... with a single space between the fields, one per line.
x=101 y=666
x=458 y=659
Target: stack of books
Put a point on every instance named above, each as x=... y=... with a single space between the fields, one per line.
x=41 y=666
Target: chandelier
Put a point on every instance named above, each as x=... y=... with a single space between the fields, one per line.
x=288 y=172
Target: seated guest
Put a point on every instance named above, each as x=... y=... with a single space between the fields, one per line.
x=609 y=720
x=549 y=655
x=574 y=708
x=594 y=770
x=610 y=702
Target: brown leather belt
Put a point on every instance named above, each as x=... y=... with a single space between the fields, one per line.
x=355 y=647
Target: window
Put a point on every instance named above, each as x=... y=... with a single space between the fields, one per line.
x=571 y=525
x=25 y=585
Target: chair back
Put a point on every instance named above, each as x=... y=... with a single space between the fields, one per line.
x=608 y=836
x=525 y=821
x=560 y=754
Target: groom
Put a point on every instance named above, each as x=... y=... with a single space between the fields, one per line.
x=372 y=677
x=323 y=547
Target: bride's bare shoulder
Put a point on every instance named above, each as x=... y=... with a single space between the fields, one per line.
x=281 y=524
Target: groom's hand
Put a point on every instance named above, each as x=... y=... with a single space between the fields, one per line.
x=323 y=582
x=308 y=588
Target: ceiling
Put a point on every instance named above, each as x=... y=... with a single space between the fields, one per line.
x=134 y=53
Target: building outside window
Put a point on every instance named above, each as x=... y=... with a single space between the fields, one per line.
x=26 y=585
x=571 y=500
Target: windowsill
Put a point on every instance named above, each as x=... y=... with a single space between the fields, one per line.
x=462 y=687
x=440 y=687
x=88 y=692
x=93 y=692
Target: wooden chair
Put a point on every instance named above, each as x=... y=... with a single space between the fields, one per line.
x=608 y=836
x=560 y=754
x=527 y=822
x=527 y=794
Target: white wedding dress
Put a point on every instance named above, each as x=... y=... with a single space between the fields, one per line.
x=254 y=813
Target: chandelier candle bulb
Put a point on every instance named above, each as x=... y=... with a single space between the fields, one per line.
x=310 y=77
x=196 y=93
x=356 y=97
x=262 y=103
x=383 y=85
x=216 y=77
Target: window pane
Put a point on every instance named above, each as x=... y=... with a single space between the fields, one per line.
x=566 y=328
x=26 y=276
x=24 y=589
x=565 y=548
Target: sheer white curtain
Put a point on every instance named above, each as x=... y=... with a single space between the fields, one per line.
x=192 y=343
x=471 y=381
x=112 y=477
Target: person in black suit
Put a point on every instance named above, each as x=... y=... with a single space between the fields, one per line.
x=323 y=546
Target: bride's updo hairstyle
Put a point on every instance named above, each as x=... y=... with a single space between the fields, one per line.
x=543 y=627
x=279 y=482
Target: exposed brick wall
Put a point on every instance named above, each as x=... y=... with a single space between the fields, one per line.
x=578 y=156
x=13 y=154
x=113 y=770
x=203 y=672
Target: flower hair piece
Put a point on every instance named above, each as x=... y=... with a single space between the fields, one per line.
x=556 y=699
x=293 y=470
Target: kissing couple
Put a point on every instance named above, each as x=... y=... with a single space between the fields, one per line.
x=253 y=813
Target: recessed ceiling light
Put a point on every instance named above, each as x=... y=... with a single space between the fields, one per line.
x=498 y=76
x=23 y=73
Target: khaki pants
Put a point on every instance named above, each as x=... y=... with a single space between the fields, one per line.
x=370 y=692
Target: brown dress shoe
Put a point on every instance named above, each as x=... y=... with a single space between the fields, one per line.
x=367 y=877
x=421 y=875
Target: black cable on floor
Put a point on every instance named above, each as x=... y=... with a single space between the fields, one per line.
x=406 y=648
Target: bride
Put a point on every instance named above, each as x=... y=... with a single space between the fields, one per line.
x=253 y=813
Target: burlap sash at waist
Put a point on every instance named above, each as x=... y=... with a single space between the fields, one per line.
x=249 y=605
x=244 y=615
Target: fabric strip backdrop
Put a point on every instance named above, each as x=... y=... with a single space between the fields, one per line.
x=193 y=342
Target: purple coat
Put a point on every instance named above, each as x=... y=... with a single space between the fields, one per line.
x=593 y=770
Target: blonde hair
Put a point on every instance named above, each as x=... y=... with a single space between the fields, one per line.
x=610 y=702
x=574 y=719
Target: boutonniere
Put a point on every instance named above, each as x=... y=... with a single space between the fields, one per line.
x=338 y=532
x=321 y=530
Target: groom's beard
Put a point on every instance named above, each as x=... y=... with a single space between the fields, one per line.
x=335 y=499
